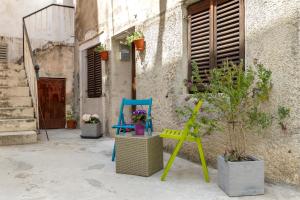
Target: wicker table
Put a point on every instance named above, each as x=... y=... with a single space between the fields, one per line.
x=139 y=155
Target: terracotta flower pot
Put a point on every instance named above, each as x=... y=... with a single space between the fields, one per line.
x=104 y=55
x=139 y=44
x=71 y=124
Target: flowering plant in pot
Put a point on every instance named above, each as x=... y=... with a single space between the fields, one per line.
x=91 y=128
x=101 y=49
x=137 y=38
x=236 y=99
x=71 y=121
x=139 y=119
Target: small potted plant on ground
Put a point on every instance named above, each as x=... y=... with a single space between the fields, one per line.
x=137 y=38
x=101 y=49
x=139 y=119
x=236 y=99
x=71 y=121
x=91 y=127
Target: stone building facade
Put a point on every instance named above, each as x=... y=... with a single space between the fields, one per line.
x=272 y=35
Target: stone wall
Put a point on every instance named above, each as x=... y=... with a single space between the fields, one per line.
x=57 y=61
x=272 y=37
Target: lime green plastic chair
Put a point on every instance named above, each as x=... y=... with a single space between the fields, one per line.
x=182 y=136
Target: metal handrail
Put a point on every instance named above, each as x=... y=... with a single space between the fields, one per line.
x=44 y=8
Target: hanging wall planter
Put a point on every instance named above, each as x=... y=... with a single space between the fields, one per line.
x=138 y=39
x=139 y=44
x=104 y=55
x=101 y=49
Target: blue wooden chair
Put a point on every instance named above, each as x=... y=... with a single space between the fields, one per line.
x=122 y=125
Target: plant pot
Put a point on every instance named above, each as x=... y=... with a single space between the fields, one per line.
x=139 y=44
x=91 y=130
x=139 y=129
x=104 y=55
x=243 y=178
x=71 y=124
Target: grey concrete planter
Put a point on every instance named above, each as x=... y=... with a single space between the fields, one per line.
x=241 y=178
x=91 y=130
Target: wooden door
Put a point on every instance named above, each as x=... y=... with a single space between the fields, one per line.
x=52 y=104
x=133 y=76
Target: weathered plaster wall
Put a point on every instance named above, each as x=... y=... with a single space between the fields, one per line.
x=57 y=61
x=86 y=19
x=272 y=37
x=14 y=48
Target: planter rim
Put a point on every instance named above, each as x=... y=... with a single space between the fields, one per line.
x=91 y=123
x=139 y=39
x=246 y=161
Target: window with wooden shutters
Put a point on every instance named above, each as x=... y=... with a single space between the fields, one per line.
x=216 y=33
x=3 y=52
x=94 y=74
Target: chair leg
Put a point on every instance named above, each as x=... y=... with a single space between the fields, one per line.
x=171 y=160
x=203 y=162
x=114 y=153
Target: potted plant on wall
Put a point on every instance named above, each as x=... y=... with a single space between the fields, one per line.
x=91 y=127
x=139 y=119
x=237 y=98
x=137 y=38
x=71 y=121
x=101 y=49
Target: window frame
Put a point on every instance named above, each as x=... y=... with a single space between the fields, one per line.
x=212 y=4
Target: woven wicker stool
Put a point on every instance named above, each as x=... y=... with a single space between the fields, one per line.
x=139 y=155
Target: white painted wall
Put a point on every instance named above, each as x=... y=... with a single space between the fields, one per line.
x=52 y=24
x=12 y=12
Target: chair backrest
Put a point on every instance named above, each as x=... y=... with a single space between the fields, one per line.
x=193 y=117
x=137 y=102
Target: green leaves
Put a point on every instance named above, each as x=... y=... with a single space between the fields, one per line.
x=134 y=36
x=101 y=47
x=236 y=97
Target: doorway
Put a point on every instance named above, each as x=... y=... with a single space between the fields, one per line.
x=52 y=103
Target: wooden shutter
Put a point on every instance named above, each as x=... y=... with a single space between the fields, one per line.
x=3 y=52
x=199 y=36
x=216 y=33
x=229 y=31
x=94 y=74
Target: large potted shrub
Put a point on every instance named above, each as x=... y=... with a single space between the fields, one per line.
x=236 y=99
x=137 y=38
x=101 y=49
x=91 y=127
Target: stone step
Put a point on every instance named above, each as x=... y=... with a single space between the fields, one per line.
x=13 y=82
x=17 y=125
x=11 y=66
x=16 y=101
x=16 y=112
x=17 y=137
x=6 y=92
x=20 y=73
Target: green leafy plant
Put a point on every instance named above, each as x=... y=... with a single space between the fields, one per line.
x=134 y=36
x=235 y=98
x=70 y=116
x=100 y=48
x=283 y=114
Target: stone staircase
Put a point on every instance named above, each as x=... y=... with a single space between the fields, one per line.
x=17 y=120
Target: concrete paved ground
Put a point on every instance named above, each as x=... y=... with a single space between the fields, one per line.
x=70 y=168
